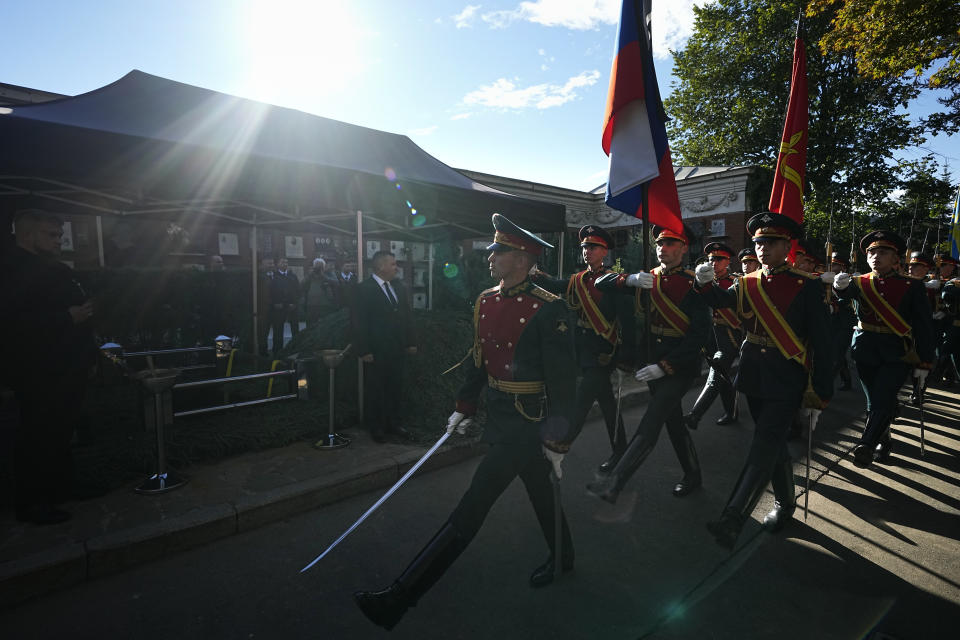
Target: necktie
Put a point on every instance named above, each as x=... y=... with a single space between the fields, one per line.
x=390 y=295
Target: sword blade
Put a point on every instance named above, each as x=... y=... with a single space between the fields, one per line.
x=383 y=499
x=806 y=493
x=922 y=447
x=557 y=537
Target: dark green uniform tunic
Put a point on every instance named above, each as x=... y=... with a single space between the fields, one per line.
x=523 y=340
x=773 y=384
x=884 y=359
x=596 y=356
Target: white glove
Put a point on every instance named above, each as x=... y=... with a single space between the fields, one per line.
x=939 y=315
x=932 y=284
x=920 y=375
x=555 y=459
x=650 y=372
x=812 y=416
x=533 y=270
x=841 y=281
x=828 y=277
x=705 y=273
x=459 y=422
x=641 y=280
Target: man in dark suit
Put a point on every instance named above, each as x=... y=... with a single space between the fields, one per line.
x=383 y=333
x=48 y=354
x=284 y=297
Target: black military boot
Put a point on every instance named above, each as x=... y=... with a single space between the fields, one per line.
x=687 y=454
x=618 y=444
x=743 y=499
x=608 y=487
x=731 y=412
x=385 y=608
x=785 y=497
x=705 y=399
x=881 y=453
x=545 y=573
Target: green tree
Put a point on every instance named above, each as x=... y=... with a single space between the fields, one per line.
x=730 y=97
x=901 y=38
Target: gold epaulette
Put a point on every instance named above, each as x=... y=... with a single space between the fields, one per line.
x=689 y=273
x=489 y=292
x=801 y=272
x=543 y=294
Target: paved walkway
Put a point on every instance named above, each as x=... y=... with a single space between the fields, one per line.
x=902 y=517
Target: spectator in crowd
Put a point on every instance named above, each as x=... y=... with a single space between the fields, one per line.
x=264 y=303
x=49 y=354
x=383 y=333
x=319 y=292
x=284 y=297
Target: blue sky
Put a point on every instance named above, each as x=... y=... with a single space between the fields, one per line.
x=511 y=88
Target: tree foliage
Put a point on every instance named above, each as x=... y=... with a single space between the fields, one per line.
x=730 y=98
x=901 y=38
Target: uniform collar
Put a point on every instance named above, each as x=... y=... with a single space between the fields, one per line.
x=516 y=290
x=671 y=271
x=780 y=268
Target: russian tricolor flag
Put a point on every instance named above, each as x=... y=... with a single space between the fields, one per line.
x=634 y=129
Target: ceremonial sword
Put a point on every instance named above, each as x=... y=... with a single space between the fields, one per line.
x=806 y=493
x=383 y=499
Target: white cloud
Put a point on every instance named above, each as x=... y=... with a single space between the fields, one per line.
x=424 y=131
x=466 y=17
x=505 y=94
x=672 y=21
x=461 y=116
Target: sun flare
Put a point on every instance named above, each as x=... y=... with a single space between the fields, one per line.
x=299 y=51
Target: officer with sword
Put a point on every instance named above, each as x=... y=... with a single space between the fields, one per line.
x=604 y=335
x=523 y=356
x=785 y=362
x=722 y=349
x=893 y=337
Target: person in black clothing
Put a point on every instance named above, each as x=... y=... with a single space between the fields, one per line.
x=894 y=337
x=681 y=322
x=842 y=320
x=723 y=346
x=284 y=298
x=604 y=337
x=49 y=356
x=523 y=355
x=383 y=335
x=785 y=361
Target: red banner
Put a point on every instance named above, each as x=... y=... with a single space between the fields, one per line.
x=787 y=195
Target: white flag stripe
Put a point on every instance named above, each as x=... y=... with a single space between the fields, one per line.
x=633 y=159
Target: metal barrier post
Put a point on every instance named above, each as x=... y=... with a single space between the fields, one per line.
x=332 y=359
x=157 y=382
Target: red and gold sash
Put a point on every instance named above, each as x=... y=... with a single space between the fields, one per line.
x=666 y=308
x=729 y=316
x=603 y=327
x=773 y=321
x=889 y=315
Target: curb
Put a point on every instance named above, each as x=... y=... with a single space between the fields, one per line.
x=77 y=562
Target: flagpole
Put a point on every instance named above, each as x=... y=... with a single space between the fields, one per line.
x=645 y=266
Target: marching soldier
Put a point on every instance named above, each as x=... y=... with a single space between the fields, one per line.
x=843 y=319
x=785 y=361
x=920 y=267
x=523 y=354
x=944 y=370
x=722 y=347
x=950 y=347
x=805 y=257
x=604 y=337
x=680 y=321
x=748 y=260
x=893 y=336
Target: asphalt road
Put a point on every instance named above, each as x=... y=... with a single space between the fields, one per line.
x=879 y=553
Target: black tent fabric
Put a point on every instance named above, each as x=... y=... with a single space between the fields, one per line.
x=146 y=145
